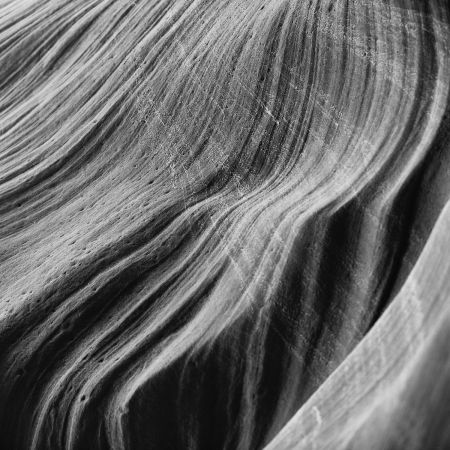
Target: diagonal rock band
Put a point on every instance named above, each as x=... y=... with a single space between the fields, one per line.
x=224 y=224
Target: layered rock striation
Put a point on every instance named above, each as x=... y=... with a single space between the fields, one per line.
x=224 y=224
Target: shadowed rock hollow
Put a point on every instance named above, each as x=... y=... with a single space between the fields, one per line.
x=223 y=224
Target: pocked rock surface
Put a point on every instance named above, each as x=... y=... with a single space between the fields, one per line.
x=224 y=224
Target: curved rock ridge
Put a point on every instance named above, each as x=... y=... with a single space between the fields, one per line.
x=392 y=390
x=223 y=224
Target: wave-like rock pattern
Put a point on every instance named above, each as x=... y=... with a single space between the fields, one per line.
x=219 y=224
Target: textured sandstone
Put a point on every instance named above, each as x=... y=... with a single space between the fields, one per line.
x=224 y=224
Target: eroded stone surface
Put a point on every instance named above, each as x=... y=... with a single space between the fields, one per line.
x=223 y=224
